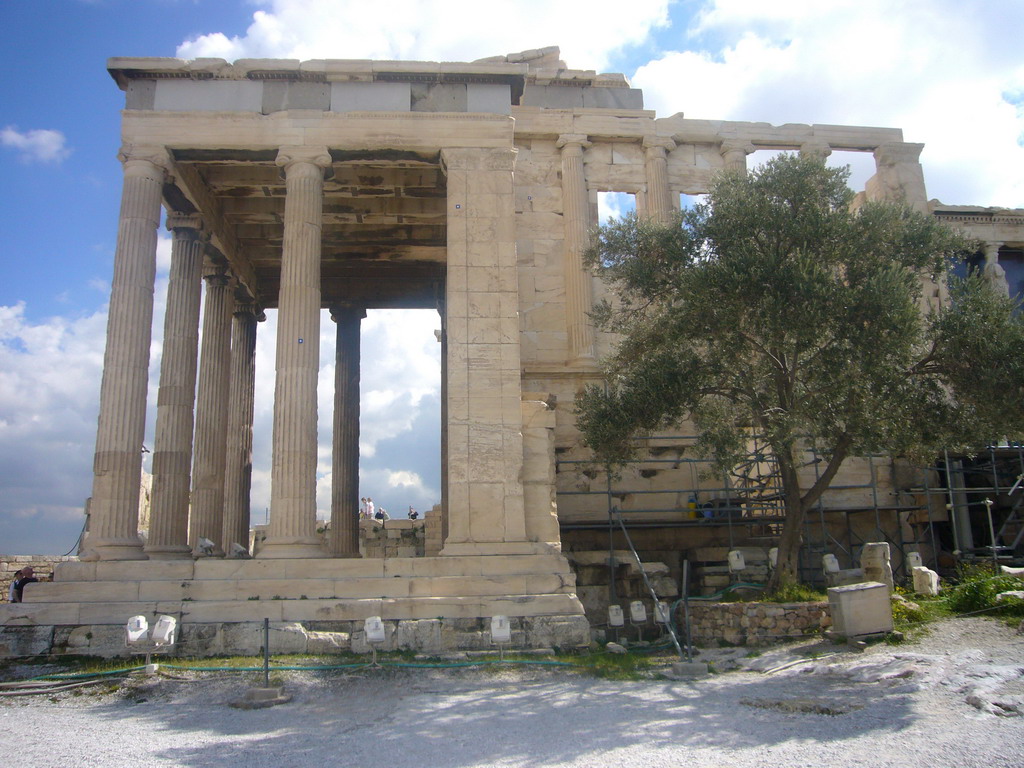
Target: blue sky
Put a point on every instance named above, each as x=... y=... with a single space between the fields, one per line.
x=951 y=74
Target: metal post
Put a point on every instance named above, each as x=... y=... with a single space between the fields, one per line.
x=266 y=653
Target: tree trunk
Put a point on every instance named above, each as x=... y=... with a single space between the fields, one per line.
x=792 y=529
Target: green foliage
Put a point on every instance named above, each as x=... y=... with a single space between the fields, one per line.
x=791 y=592
x=775 y=308
x=977 y=588
x=613 y=666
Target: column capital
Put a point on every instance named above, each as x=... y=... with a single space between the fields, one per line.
x=291 y=159
x=216 y=274
x=736 y=145
x=249 y=308
x=154 y=154
x=992 y=250
x=896 y=152
x=658 y=146
x=179 y=223
x=347 y=308
x=818 y=149
x=573 y=141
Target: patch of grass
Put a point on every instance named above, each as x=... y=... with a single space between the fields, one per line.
x=794 y=593
x=614 y=666
x=976 y=590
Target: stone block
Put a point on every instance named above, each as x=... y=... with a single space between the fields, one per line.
x=423 y=635
x=208 y=95
x=24 y=641
x=280 y=95
x=860 y=609
x=552 y=97
x=926 y=581
x=370 y=97
x=613 y=98
x=491 y=97
x=875 y=560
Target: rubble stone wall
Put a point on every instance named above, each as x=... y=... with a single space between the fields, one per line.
x=754 y=623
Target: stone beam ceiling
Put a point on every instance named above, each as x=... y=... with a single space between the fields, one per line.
x=384 y=222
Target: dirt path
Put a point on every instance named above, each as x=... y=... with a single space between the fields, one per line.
x=949 y=699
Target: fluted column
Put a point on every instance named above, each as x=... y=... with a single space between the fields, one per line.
x=579 y=299
x=345 y=469
x=207 y=519
x=292 y=531
x=658 y=201
x=117 y=464
x=238 y=452
x=172 y=450
x=734 y=154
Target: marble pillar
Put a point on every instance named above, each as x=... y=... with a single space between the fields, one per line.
x=484 y=390
x=345 y=467
x=172 y=449
x=207 y=515
x=292 y=529
x=238 y=450
x=579 y=298
x=117 y=464
x=734 y=154
x=658 y=200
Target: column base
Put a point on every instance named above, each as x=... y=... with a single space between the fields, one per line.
x=115 y=549
x=169 y=552
x=291 y=548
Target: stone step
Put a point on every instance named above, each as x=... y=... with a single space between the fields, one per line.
x=226 y=611
x=203 y=590
x=208 y=569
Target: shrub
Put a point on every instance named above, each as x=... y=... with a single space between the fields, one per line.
x=977 y=589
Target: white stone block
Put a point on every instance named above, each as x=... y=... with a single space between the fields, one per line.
x=860 y=609
x=926 y=581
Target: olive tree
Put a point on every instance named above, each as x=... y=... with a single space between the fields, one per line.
x=776 y=308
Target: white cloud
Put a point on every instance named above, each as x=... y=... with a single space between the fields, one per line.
x=435 y=30
x=947 y=73
x=40 y=145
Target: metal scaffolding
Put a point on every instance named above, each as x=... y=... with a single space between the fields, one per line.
x=958 y=508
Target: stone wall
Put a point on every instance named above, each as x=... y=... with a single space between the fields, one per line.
x=753 y=623
x=42 y=564
x=391 y=538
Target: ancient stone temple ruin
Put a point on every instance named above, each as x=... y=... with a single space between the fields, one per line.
x=339 y=185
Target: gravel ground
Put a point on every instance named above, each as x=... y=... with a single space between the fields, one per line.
x=952 y=698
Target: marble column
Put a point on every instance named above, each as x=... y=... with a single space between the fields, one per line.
x=579 y=299
x=207 y=518
x=345 y=468
x=292 y=530
x=734 y=154
x=658 y=200
x=238 y=450
x=172 y=449
x=117 y=465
